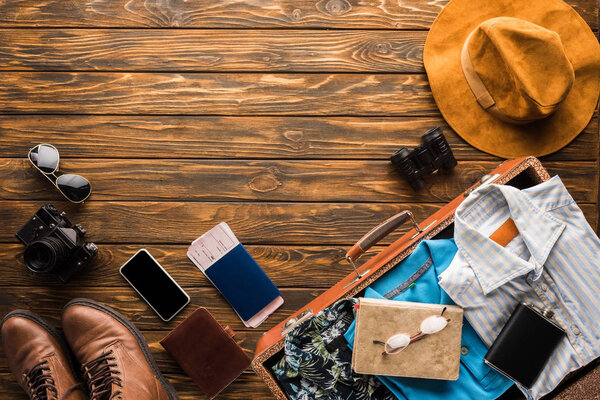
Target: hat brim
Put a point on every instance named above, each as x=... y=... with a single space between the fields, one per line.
x=457 y=103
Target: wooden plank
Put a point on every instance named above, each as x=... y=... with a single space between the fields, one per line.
x=375 y=138
x=211 y=50
x=235 y=180
x=182 y=222
x=287 y=266
x=386 y=14
x=49 y=303
x=10 y=388
x=219 y=94
x=253 y=223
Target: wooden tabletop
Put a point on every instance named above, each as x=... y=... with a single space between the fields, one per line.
x=277 y=117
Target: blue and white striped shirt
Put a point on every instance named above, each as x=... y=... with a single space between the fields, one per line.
x=553 y=263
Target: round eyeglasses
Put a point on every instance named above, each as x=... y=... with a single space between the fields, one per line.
x=398 y=342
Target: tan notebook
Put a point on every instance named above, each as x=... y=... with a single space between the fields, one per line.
x=394 y=328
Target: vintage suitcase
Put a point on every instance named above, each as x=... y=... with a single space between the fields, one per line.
x=523 y=172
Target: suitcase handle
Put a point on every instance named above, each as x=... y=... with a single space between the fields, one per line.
x=378 y=233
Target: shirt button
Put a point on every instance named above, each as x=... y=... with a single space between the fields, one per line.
x=464 y=350
x=544 y=287
x=576 y=331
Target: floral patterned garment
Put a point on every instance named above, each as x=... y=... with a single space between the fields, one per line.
x=316 y=364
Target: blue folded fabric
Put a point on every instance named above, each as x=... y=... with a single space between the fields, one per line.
x=242 y=282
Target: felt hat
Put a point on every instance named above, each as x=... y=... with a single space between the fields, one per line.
x=513 y=77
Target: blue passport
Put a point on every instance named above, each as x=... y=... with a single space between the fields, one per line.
x=242 y=282
x=233 y=271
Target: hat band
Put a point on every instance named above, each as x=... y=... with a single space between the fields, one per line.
x=483 y=96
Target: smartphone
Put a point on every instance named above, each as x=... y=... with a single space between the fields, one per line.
x=154 y=285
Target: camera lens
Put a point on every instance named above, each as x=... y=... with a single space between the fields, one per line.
x=45 y=254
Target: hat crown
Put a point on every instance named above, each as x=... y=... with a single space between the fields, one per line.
x=522 y=65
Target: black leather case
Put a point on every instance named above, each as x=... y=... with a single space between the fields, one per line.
x=524 y=345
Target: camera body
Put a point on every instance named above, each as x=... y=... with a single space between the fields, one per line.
x=433 y=154
x=55 y=246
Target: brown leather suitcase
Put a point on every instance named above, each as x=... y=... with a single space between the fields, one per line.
x=523 y=172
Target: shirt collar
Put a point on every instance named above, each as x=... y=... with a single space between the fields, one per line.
x=493 y=264
x=440 y=251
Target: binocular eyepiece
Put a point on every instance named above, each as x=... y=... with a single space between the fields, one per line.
x=433 y=154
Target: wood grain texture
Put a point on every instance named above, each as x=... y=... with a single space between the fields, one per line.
x=287 y=266
x=383 y=14
x=49 y=303
x=219 y=94
x=210 y=50
x=253 y=223
x=346 y=138
x=233 y=180
x=182 y=222
x=277 y=117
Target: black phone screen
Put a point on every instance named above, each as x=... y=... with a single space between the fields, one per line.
x=154 y=284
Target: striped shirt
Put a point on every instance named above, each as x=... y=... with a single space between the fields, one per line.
x=553 y=263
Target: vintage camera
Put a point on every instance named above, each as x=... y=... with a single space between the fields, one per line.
x=435 y=153
x=55 y=246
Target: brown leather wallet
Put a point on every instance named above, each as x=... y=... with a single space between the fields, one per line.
x=206 y=351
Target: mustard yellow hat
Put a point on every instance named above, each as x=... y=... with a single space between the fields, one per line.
x=513 y=77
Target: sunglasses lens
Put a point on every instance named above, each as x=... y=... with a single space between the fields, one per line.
x=433 y=324
x=76 y=188
x=44 y=157
x=397 y=343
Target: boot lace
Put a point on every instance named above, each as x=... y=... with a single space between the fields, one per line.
x=39 y=383
x=100 y=374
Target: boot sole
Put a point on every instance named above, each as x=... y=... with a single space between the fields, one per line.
x=52 y=331
x=167 y=386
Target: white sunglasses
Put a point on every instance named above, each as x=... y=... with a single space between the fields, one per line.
x=45 y=158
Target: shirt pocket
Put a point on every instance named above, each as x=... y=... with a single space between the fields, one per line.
x=472 y=352
x=458 y=279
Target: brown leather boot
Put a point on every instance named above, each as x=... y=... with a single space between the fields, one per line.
x=39 y=358
x=115 y=358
